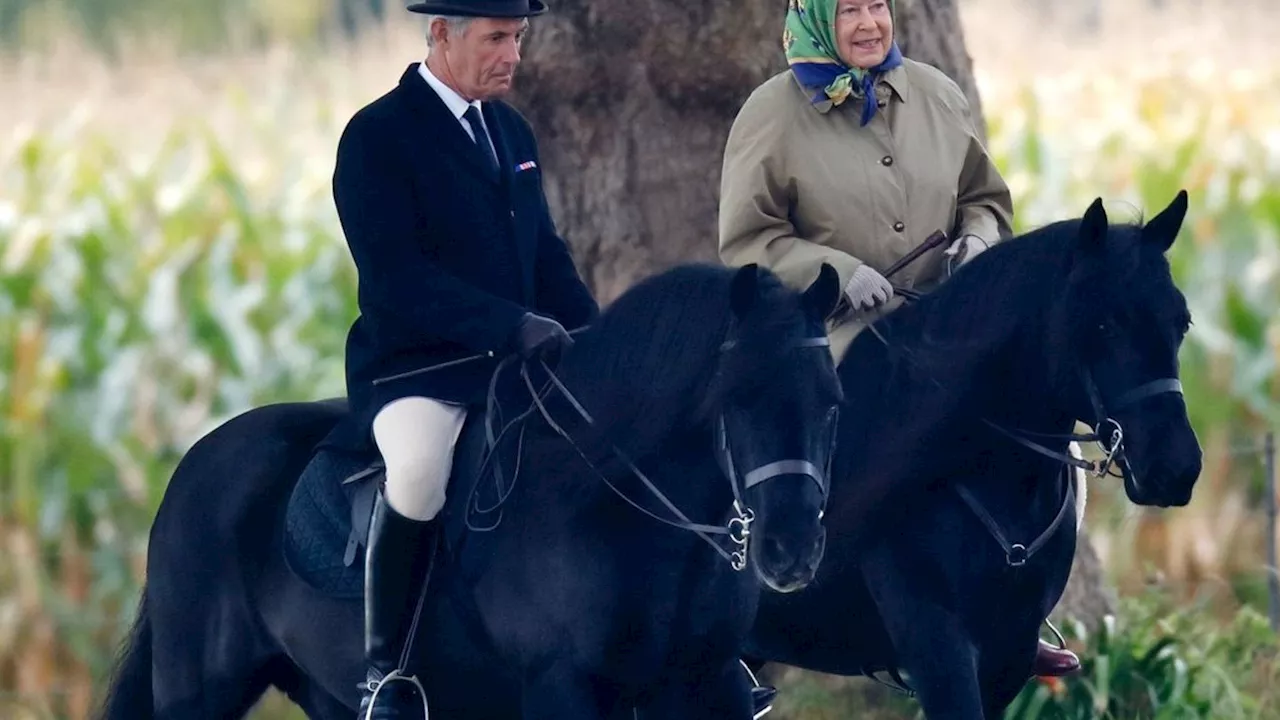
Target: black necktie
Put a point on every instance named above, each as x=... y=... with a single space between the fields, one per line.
x=482 y=138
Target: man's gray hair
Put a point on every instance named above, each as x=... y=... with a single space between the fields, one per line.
x=454 y=23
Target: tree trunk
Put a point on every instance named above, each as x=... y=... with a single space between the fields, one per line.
x=632 y=101
x=1089 y=596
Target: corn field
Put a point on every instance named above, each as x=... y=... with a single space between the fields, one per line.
x=170 y=256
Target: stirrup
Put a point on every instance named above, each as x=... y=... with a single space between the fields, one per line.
x=755 y=684
x=377 y=685
x=1062 y=642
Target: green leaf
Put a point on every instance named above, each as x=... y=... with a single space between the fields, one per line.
x=1248 y=325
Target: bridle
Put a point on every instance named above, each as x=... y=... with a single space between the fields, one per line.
x=740 y=525
x=737 y=529
x=1110 y=444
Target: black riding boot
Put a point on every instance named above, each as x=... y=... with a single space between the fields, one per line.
x=397 y=547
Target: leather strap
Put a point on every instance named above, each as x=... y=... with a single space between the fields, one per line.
x=361 y=511
x=1017 y=554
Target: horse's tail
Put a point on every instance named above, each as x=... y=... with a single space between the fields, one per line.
x=129 y=695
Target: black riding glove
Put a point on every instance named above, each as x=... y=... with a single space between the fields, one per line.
x=539 y=334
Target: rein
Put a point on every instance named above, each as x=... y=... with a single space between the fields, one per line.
x=737 y=530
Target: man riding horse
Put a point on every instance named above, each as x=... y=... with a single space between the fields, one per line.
x=439 y=192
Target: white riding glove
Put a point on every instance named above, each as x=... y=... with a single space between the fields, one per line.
x=867 y=288
x=965 y=248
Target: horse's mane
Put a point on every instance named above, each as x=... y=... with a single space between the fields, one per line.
x=1019 y=286
x=647 y=366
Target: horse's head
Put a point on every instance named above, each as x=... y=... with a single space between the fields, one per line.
x=776 y=395
x=1128 y=321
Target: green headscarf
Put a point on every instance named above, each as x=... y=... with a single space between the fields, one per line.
x=808 y=39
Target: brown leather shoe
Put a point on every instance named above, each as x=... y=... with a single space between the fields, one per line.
x=1052 y=661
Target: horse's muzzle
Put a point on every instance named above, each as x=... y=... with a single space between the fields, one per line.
x=784 y=567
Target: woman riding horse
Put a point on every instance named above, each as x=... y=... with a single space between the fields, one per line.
x=851 y=157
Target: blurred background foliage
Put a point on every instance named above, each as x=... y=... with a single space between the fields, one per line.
x=110 y=26
x=170 y=256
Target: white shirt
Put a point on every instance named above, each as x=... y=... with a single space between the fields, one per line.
x=455 y=102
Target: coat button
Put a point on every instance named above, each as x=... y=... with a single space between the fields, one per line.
x=899 y=227
x=887 y=160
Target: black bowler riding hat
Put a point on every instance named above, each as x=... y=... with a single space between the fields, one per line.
x=480 y=8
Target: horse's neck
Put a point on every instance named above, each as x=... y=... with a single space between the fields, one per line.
x=992 y=341
x=591 y=477
x=949 y=375
x=1019 y=390
x=1014 y=389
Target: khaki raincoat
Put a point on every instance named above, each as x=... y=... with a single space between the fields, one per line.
x=805 y=184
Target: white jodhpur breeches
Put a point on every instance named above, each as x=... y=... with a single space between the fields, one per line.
x=1082 y=484
x=416 y=437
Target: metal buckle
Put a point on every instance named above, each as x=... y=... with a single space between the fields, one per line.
x=1017 y=555
x=740 y=534
x=1111 y=449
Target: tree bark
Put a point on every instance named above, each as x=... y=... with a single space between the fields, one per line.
x=632 y=101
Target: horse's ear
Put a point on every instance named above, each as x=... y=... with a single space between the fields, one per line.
x=1093 y=228
x=1163 y=228
x=742 y=291
x=821 y=297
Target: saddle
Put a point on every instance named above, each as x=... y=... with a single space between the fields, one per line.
x=326 y=526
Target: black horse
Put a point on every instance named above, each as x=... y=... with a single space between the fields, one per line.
x=595 y=582
x=950 y=528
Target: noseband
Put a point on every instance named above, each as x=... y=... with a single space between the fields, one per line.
x=1115 y=447
x=738 y=529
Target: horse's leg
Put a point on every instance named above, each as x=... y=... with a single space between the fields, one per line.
x=226 y=697
x=562 y=691
x=231 y=689
x=718 y=695
x=209 y=658
x=929 y=638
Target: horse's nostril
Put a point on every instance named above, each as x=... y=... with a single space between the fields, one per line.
x=775 y=552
